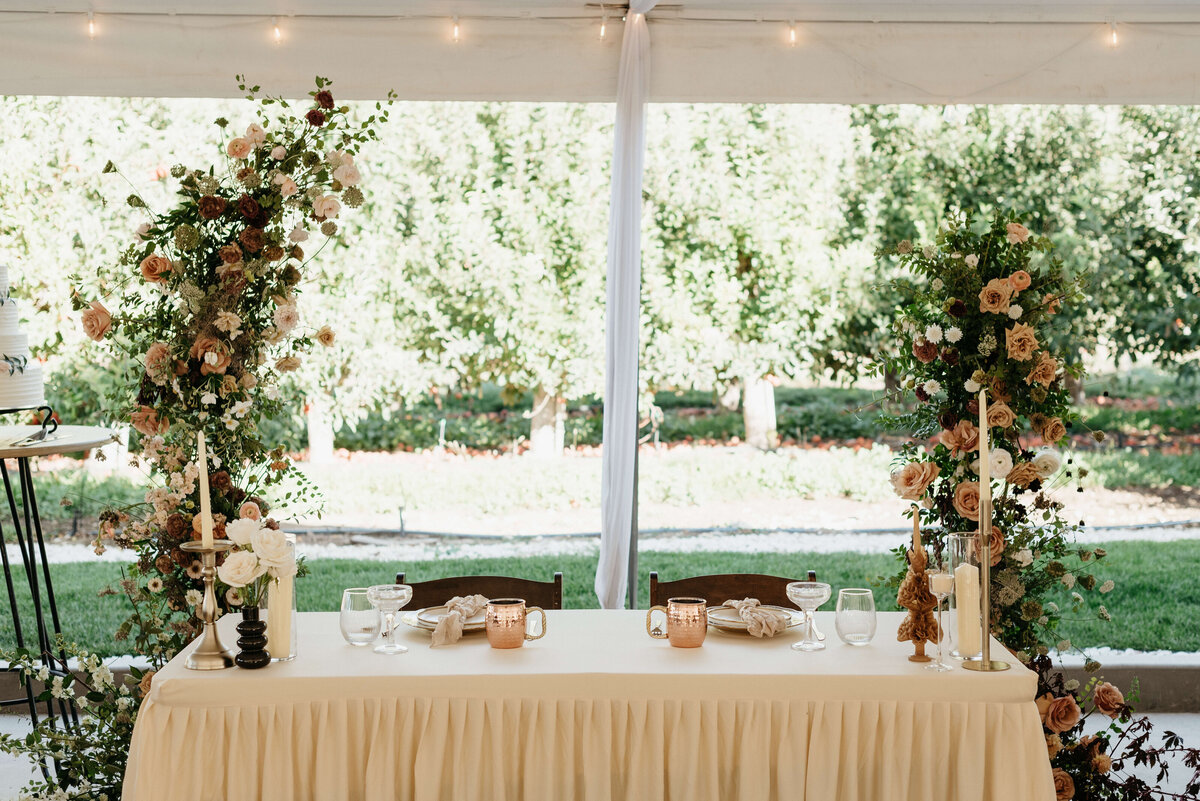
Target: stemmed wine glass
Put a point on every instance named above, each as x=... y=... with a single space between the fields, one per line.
x=941 y=584
x=389 y=599
x=808 y=595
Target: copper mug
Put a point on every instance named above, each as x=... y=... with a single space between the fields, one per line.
x=687 y=622
x=506 y=621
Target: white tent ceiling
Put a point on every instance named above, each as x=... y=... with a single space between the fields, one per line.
x=967 y=51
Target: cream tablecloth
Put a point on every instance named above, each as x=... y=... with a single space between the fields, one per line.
x=595 y=710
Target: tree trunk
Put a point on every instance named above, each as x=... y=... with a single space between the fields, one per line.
x=547 y=425
x=891 y=382
x=320 y=429
x=758 y=414
x=728 y=396
x=1075 y=387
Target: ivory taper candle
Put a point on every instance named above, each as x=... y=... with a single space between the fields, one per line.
x=966 y=600
x=985 y=460
x=206 y=520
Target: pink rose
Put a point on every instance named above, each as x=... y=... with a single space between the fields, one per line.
x=250 y=511
x=279 y=152
x=158 y=363
x=96 y=321
x=146 y=421
x=1017 y=233
x=288 y=188
x=347 y=175
x=326 y=207
x=1108 y=699
x=911 y=481
x=256 y=134
x=1058 y=714
x=142 y=230
x=154 y=267
x=239 y=148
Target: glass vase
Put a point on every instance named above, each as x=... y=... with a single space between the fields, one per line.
x=965 y=618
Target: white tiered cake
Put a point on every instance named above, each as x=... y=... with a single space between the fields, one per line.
x=20 y=375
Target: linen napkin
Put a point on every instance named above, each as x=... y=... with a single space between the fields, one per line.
x=760 y=622
x=460 y=608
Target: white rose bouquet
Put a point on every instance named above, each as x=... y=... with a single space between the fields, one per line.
x=261 y=554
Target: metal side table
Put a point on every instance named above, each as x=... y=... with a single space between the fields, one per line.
x=27 y=527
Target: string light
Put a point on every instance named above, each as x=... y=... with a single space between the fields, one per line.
x=1112 y=27
x=454 y=33
x=603 y=27
x=791 y=33
x=275 y=26
x=91 y=24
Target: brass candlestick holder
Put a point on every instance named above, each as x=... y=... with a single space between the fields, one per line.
x=209 y=654
x=985 y=663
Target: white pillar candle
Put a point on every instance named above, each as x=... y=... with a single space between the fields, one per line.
x=966 y=594
x=206 y=521
x=279 y=617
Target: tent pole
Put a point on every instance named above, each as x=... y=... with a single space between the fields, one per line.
x=633 y=531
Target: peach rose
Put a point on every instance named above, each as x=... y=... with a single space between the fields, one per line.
x=1020 y=280
x=1023 y=474
x=158 y=363
x=96 y=321
x=326 y=336
x=1058 y=714
x=1108 y=699
x=1021 y=342
x=995 y=543
x=239 y=148
x=1054 y=430
x=963 y=438
x=1051 y=303
x=287 y=364
x=1044 y=371
x=154 y=267
x=1054 y=744
x=1064 y=785
x=966 y=499
x=207 y=350
x=999 y=415
x=146 y=421
x=250 y=511
x=995 y=297
x=1017 y=233
x=145 y=684
x=1102 y=763
x=911 y=481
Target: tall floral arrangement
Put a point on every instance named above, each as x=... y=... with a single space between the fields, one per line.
x=208 y=324
x=986 y=308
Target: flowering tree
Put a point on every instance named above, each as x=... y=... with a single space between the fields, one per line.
x=984 y=319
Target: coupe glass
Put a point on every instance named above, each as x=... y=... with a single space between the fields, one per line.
x=808 y=595
x=389 y=599
x=941 y=584
x=855 y=621
x=360 y=618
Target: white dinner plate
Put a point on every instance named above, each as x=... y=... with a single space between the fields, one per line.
x=727 y=618
x=429 y=617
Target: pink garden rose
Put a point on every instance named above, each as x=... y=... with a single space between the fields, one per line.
x=146 y=421
x=96 y=321
x=1017 y=233
x=239 y=148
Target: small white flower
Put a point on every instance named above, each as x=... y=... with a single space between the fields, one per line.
x=932 y=387
x=194 y=598
x=937 y=285
x=1043 y=620
x=231 y=423
x=953 y=334
x=1024 y=557
x=956 y=255
x=155 y=584
x=43 y=673
x=1107 y=586
x=971 y=386
x=1075 y=597
x=1104 y=614
x=240 y=408
x=1015 y=311
x=928 y=251
x=1071 y=685
x=298 y=234
x=279 y=152
x=1051 y=607
x=1069 y=582
x=972 y=260
x=272 y=392
x=934 y=333
x=1063 y=645
x=233 y=596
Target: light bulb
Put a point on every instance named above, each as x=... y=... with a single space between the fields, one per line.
x=791 y=34
x=91 y=25
x=454 y=34
x=275 y=26
x=1112 y=26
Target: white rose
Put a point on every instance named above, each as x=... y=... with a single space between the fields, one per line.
x=1024 y=557
x=326 y=207
x=240 y=568
x=142 y=230
x=256 y=134
x=1000 y=461
x=1047 y=463
x=972 y=386
x=972 y=260
x=287 y=317
x=279 y=152
x=347 y=175
x=242 y=530
x=272 y=548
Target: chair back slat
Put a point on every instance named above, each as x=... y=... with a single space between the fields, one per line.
x=546 y=594
x=721 y=587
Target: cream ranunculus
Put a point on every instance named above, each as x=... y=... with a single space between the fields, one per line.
x=242 y=531
x=272 y=547
x=1047 y=463
x=240 y=568
x=279 y=152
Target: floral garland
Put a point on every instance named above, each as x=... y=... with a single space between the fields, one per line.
x=986 y=317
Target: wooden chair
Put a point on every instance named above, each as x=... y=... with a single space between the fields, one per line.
x=719 y=588
x=546 y=594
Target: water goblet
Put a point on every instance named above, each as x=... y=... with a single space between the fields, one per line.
x=855 y=621
x=808 y=595
x=941 y=584
x=359 y=617
x=389 y=599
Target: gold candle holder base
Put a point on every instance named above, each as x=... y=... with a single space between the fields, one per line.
x=209 y=654
x=985 y=667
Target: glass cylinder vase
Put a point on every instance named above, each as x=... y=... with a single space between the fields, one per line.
x=279 y=610
x=965 y=619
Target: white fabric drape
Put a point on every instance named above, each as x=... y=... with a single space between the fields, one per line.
x=623 y=310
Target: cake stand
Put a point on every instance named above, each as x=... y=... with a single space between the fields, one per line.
x=15 y=444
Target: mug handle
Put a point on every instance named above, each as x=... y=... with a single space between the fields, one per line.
x=656 y=633
x=541 y=633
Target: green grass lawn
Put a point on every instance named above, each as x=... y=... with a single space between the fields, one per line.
x=1153 y=605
